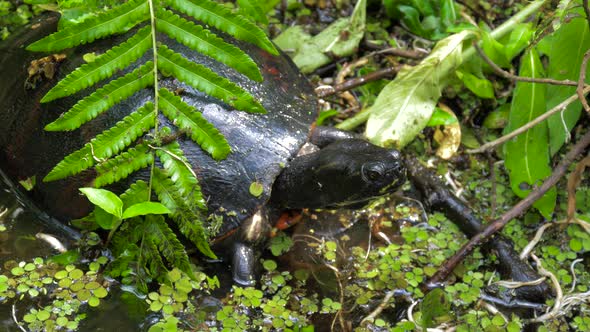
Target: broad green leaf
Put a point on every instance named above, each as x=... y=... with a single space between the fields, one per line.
x=481 y=87
x=405 y=105
x=145 y=208
x=117 y=20
x=527 y=156
x=107 y=144
x=441 y=118
x=104 y=219
x=434 y=305
x=104 y=98
x=122 y=165
x=565 y=50
x=203 y=79
x=494 y=50
x=223 y=19
x=203 y=41
x=519 y=38
x=105 y=199
x=103 y=66
x=411 y=19
x=448 y=13
x=199 y=129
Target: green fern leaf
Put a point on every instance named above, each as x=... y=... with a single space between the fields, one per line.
x=123 y=164
x=223 y=19
x=253 y=10
x=203 y=41
x=137 y=192
x=104 y=98
x=187 y=218
x=103 y=66
x=203 y=79
x=180 y=172
x=188 y=118
x=107 y=144
x=168 y=244
x=116 y=20
x=150 y=255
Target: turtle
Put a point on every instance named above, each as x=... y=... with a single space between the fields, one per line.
x=267 y=149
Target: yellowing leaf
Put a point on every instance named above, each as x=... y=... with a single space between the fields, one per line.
x=405 y=105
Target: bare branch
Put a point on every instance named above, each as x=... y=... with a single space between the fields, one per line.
x=560 y=107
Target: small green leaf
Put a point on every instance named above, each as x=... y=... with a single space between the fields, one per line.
x=145 y=208
x=256 y=189
x=107 y=200
x=481 y=87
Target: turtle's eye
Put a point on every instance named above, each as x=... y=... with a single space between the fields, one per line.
x=372 y=171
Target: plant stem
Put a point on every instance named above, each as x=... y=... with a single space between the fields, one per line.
x=156 y=97
x=499 y=32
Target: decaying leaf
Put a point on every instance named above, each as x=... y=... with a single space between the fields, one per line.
x=448 y=137
x=341 y=38
x=405 y=105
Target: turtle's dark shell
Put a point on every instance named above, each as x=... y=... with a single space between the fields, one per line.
x=261 y=144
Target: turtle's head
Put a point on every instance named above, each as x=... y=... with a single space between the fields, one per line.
x=385 y=173
x=344 y=173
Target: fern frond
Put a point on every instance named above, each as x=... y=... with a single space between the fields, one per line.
x=252 y=9
x=180 y=172
x=203 y=79
x=150 y=256
x=168 y=244
x=223 y=19
x=122 y=165
x=106 y=144
x=103 y=66
x=204 y=41
x=104 y=98
x=188 y=118
x=137 y=192
x=116 y=20
x=188 y=219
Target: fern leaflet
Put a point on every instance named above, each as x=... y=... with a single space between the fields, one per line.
x=180 y=172
x=202 y=40
x=253 y=9
x=123 y=164
x=106 y=144
x=167 y=242
x=186 y=217
x=103 y=66
x=200 y=130
x=116 y=20
x=104 y=98
x=223 y=19
x=203 y=79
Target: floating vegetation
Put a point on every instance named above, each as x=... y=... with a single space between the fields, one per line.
x=63 y=291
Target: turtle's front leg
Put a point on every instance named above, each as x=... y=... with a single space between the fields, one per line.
x=246 y=249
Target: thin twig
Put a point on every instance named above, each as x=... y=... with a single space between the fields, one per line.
x=325 y=91
x=574 y=278
x=371 y=317
x=558 y=293
x=513 y=77
x=16 y=320
x=529 y=125
x=516 y=211
x=582 y=82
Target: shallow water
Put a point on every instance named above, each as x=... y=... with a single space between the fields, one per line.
x=18 y=242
